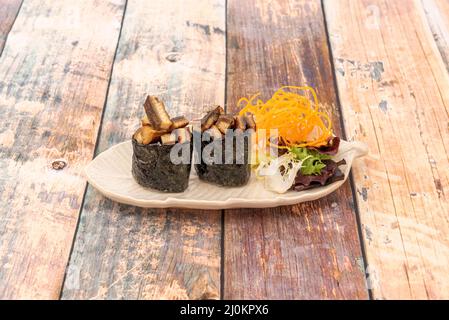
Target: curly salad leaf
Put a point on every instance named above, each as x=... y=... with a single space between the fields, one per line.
x=299 y=168
x=312 y=161
x=279 y=173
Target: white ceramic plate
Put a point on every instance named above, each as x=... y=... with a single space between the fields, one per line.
x=110 y=173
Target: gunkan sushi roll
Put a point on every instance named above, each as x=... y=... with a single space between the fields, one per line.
x=223 y=154
x=155 y=164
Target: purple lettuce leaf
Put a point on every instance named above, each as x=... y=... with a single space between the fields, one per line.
x=330 y=173
x=331 y=148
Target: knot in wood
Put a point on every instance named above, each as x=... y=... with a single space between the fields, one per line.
x=58 y=164
x=173 y=56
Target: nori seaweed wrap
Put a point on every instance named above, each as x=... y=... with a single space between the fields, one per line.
x=153 y=168
x=233 y=174
x=152 y=163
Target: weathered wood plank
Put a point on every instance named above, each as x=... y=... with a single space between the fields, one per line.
x=437 y=13
x=8 y=13
x=54 y=74
x=175 y=50
x=296 y=252
x=394 y=91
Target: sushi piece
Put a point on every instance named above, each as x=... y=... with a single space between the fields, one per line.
x=156 y=113
x=183 y=135
x=214 y=133
x=146 y=134
x=179 y=122
x=152 y=165
x=144 y=121
x=223 y=174
x=228 y=168
x=224 y=123
x=250 y=123
x=210 y=118
x=240 y=122
x=180 y=135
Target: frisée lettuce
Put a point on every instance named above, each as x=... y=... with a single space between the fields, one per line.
x=312 y=161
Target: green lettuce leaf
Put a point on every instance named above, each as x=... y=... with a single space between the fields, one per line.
x=312 y=161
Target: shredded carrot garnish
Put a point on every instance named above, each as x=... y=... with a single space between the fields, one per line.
x=298 y=119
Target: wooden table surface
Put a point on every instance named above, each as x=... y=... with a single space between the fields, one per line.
x=73 y=77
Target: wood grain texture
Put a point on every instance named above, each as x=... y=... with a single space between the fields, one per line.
x=394 y=91
x=174 y=50
x=307 y=251
x=8 y=13
x=54 y=73
x=437 y=13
